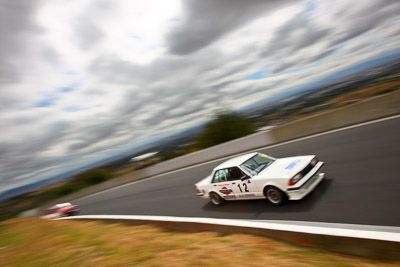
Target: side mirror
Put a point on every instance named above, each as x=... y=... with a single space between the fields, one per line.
x=244 y=178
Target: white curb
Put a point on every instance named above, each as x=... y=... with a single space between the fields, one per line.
x=343 y=230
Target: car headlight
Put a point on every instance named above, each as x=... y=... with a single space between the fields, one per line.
x=314 y=161
x=295 y=179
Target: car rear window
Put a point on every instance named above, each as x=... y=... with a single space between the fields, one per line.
x=220 y=176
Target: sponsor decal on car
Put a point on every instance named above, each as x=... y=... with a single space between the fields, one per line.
x=292 y=164
x=229 y=197
x=226 y=191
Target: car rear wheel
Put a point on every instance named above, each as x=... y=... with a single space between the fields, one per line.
x=275 y=195
x=216 y=199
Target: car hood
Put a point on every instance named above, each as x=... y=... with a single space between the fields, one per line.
x=285 y=167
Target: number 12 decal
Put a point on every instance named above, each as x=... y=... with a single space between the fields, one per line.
x=244 y=187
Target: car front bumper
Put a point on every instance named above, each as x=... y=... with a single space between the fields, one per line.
x=297 y=193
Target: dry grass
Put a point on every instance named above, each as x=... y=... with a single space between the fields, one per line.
x=38 y=242
x=365 y=93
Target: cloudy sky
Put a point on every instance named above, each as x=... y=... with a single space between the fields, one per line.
x=81 y=80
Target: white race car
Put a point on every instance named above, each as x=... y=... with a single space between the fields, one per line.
x=257 y=176
x=60 y=210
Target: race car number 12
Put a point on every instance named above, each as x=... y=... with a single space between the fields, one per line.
x=244 y=187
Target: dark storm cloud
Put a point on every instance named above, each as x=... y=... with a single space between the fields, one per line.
x=111 y=69
x=5 y=149
x=23 y=156
x=181 y=107
x=299 y=61
x=87 y=29
x=297 y=33
x=16 y=27
x=365 y=19
x=206 y=21
x=88 y=34
x=302 y=31
x=162 y=90
x=169 y=75
x=232 y=70
x=221 y=85
x=42 y=139
x=94 y=133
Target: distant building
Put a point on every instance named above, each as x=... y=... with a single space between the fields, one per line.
x=142 y=157
x=265 y=128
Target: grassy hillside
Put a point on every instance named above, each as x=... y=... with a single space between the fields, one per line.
x=38 y=242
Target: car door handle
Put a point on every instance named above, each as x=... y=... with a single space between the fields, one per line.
x=233 y=183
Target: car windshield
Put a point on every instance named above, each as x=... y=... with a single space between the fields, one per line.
x=257 y=163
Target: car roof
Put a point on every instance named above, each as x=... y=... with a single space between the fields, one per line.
x=236 y=161
x=61 y=205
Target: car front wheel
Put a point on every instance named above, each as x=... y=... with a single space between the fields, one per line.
x=216 y=199
x=275 y=195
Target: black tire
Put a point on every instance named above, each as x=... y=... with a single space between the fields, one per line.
x=216 y=199
x=275 y=196
x=74 y=212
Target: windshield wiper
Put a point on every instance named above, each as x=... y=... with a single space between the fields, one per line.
x=265 y=166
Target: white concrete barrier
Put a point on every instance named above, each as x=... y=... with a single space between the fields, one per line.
x=229 y=148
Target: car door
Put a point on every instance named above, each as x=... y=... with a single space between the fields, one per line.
x=242 y=189
x=222 y=184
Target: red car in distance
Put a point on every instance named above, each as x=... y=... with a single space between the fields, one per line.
x=61 y=210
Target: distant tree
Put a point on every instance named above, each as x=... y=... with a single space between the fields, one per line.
x=224 y=127
x=94 y=176
x=171 y=155
x=83 y=180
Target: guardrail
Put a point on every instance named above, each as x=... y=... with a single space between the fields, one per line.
x=233 y=147
x=375 y=242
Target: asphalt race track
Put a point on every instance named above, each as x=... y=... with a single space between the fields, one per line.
x=362 y=184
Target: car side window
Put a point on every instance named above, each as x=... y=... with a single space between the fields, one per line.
x=220 y=176
x=235 y=173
